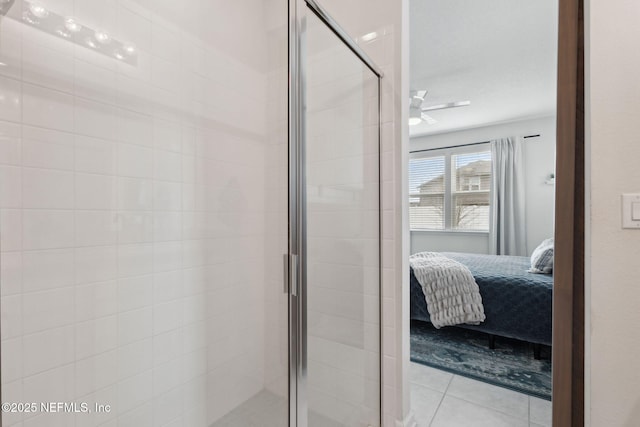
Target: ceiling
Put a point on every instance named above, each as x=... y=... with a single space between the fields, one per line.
x=498 y=54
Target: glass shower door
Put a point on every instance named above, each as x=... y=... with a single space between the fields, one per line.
x=342 y=262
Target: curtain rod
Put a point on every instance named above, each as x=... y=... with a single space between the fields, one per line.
x=466 y=145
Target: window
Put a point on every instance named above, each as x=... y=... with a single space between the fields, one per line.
x=450 y=189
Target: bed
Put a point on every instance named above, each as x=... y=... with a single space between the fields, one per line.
x=517 y=303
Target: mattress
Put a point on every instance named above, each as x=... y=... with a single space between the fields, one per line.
x=517 y=304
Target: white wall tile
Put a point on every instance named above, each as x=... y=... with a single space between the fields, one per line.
x=11 y=229
x=167 y=346
x=135 y=259
x=10 y=143
x=167 y=376
x=95 y=82
x=51 y=386
x=44 y=229
x=135 y=391
x=56 y=343
x=135 y=227
x=11 y=307
x=47 y=108
x=96 y=264
x=47 y=67
x=96 y=300
x=10 y=273
x=135 y=194
x=135 y=128
x=94 y=228
x=167 y=256
x=96 y=336
x=50 y=269
x=134 y=358
x=95 y=191
x=47 y=309
x=142 y=416
x=135 y=325
x=167 y=135
x=47 y=189
x=47 y=148
x=167 y=316
x=10 y=186
x=167 y=226
x=167 y=196
x=12 y=360
x=95 y=118
x=167 y=166
x=135 y=292
x=10 y=100
x=164 y=42
x=93 y=155
x=96 y=372
x=135 y=161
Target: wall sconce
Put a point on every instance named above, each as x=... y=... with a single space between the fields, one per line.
x=68 y=28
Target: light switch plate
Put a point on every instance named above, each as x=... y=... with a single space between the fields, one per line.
x=631 y=211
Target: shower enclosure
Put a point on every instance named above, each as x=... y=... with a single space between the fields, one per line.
x=158 y=159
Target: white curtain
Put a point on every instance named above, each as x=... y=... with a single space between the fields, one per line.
x=507 y=231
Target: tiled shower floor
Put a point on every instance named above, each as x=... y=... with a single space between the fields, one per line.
x=266 y=409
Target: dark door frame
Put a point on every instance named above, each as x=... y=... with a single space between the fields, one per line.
x=568 y=293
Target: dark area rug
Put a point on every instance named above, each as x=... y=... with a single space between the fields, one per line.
x=463 y=352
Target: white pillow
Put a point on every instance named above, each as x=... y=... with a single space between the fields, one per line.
x=542 y=258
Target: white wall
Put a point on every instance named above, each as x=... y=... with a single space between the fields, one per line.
x=539 y=163
x=613 y=314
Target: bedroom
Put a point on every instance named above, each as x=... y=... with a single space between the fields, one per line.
x=481 y=192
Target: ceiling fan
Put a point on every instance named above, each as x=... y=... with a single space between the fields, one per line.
x=416 y=110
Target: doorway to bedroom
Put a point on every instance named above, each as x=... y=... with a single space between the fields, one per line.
x=481 y=210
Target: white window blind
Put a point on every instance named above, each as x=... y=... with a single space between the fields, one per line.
x=427 y=193
x=450 y=190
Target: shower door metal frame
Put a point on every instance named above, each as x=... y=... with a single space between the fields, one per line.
x=295 y=263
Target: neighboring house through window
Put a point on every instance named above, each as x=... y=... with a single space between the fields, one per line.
x=450 y=189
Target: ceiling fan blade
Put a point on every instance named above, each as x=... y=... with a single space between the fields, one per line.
x=428 y=119
x=447 y=105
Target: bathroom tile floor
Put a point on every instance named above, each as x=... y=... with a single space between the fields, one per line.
x=441 y=399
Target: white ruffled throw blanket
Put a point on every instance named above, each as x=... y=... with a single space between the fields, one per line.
x=452 y=294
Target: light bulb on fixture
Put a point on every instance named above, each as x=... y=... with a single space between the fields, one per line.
x=62 y=33
x=90 y=43
x=119 y=56
x=72 y=25
x=129 y=48
x=38 y=10
x=103 y=37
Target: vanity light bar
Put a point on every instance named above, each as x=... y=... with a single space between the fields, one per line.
x=68 y=28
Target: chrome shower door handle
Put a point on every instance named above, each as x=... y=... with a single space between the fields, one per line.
x=291 y=274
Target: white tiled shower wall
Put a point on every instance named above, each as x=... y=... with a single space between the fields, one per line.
x=386 y=19
x=343 y=231
x=133 y=213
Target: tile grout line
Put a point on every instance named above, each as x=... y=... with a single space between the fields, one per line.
x=440 y=403
x=491 y=408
